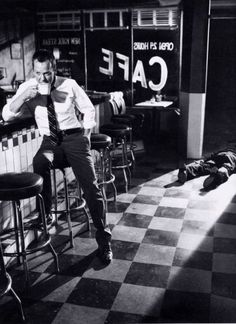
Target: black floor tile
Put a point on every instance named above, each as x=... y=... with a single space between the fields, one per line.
x=227 y=218
x=124 y=250
x=19 y=283
x=224 y=245
x=117 y=207
x=143 y=199
x=148 y=275
x=176 y=192
x=36 y=312
x=134 y=190
x=135 y=220
x=224 y=284
x=170 y=212
x=185 y=307
x=47 y=285
x=193 y=259
x=161 y=237
x=74 y=265
x=197 y=227
x=94 y=293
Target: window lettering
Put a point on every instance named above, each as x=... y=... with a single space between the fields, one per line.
x=139 y=71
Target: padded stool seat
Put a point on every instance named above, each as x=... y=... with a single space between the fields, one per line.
x=127 y=122
x=15 y=187
x=79 y=200
x=115 y=130
x=100 y=141
x=19 y=185
x=102 y=144
x=125 y=117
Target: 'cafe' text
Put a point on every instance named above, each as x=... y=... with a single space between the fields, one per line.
x=138 y=73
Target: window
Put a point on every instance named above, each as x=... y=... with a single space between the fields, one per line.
x=66 y=20
x=106 y=19
x=161 y=17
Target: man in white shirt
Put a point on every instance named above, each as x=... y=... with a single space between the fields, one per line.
x=73 y=136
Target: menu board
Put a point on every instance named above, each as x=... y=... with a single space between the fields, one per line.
x=67 y=47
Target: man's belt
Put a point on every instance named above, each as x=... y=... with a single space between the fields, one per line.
x=69 y=131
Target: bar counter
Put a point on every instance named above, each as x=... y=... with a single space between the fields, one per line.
x=19 y=142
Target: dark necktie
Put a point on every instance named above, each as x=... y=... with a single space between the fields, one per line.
x=52 y=121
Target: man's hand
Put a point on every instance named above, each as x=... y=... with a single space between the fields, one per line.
x=87 y=132
x=30 y=93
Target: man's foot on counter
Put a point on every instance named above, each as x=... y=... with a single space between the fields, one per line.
x=105 y=254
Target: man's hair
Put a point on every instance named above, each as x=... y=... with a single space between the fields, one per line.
x=43 y=55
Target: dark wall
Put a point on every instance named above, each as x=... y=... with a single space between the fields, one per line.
x=220 y=114
x=195 y=27
x=221 y=93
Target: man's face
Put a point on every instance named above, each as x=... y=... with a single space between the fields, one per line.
x=43 y=71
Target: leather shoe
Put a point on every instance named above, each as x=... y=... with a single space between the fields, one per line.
x=214 y=180
x=182 y=175
x=209 y=183
x=105 y=254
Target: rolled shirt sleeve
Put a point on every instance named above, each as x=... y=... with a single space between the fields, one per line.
x=7 y=114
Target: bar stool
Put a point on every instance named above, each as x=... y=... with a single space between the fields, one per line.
x=120 y=115
x=15 y=187
x=80 y=202
x=102 y=144
x=119 y=133
x=6 y=284
x=128 y=121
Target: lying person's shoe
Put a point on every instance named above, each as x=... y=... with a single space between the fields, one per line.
x=182 y=175
x=105 y=254
x=209 y=183
x=214 y=180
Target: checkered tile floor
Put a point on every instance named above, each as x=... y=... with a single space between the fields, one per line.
x=174 y=259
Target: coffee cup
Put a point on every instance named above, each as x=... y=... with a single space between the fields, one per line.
x=44 y=88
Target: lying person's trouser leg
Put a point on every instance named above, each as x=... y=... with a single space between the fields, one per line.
x=226 y=163
x=194 y=170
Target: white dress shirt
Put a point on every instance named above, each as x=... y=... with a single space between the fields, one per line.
x=67 y=97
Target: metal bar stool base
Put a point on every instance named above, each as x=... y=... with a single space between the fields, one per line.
x=6 y=284
x=81 y=203
x=15 y=187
